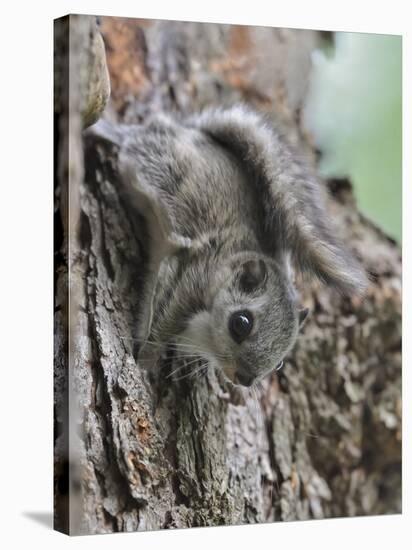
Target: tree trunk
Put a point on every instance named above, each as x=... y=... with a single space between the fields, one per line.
x=321 y=438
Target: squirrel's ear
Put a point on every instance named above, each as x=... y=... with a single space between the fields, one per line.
x=293 y=217
x=253 y=275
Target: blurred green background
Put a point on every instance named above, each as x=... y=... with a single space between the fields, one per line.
x=354 y=112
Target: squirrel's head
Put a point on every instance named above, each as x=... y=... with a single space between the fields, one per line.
x=252 y=319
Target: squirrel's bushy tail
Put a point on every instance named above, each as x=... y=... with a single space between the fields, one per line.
x=295 y=220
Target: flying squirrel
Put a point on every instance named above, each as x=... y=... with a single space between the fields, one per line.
x=231 y=212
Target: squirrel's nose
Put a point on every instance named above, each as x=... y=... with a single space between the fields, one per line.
x=244 y=378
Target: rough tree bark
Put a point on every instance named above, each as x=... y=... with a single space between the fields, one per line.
x=322 y=438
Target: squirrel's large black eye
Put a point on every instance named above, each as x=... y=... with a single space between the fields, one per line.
x=240 y=325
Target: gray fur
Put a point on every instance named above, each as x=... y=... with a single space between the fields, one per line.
x=220 y=191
